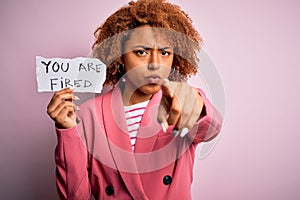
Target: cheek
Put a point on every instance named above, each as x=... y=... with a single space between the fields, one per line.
x=135 y=75
x=128 y=63
x=165 y=72
x=134 y=64
x=169 y=61
x=168 y=66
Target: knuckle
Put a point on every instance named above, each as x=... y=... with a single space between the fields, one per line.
x=61 y=116
x=66 y=104
x=52 y=115
x=196 y=115
x=185 y=115
x=176 y=111
x=185 y=86
x=60 y=97
x=190 y=126
x=60 y=120
x=171 y=121
x=56 y=94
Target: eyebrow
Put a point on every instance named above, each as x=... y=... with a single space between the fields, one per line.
x=149 y=48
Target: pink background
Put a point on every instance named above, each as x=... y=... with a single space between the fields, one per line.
x=255 y=47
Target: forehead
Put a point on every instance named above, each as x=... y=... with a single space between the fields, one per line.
x=149 y=37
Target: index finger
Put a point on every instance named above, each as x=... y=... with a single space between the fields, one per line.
x=65 y=90
x=167 y=88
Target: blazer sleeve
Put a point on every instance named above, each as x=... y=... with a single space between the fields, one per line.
x=71 y=158
x=209 y=124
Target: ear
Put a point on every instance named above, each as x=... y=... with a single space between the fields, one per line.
x=120 y=60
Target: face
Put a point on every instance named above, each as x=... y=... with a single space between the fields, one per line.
x=147 y=59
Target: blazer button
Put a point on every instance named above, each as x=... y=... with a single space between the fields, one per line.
x=109 y=190
x=167 y=180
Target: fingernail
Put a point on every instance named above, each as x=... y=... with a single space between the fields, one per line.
x=77 y=108
x=175 y=133
x=166 y=80
x=172 y=94
x=76 y=98
x=163 y=127
x=184 y=131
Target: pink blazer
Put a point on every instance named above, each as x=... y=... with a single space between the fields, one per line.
x=95 y=157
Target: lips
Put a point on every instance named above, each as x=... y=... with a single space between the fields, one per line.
x=153 y=79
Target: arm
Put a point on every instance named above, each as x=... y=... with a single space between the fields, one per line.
x=71 y=160
x=70 y=154
x=209 y=124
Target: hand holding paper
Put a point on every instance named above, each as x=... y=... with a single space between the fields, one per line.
x=62 y=109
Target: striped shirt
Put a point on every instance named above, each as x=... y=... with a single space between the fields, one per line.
x=133 y=116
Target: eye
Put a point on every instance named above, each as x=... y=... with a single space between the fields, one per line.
x=165 y=53
x=140 y=52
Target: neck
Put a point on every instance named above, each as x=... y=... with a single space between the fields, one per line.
x=132 y=96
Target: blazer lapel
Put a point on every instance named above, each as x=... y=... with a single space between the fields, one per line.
x=147 y=133
x=119 y=143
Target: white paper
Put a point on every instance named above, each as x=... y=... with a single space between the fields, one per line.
x=82 y=74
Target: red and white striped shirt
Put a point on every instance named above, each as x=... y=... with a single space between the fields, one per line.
x=133 y=116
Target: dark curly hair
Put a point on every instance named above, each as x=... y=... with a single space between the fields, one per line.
x=112 y=34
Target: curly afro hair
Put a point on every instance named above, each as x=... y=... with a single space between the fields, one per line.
x=112 y=34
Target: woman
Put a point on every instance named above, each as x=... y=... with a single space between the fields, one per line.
x=138 y=140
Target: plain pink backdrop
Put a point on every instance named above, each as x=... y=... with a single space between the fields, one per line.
x=255 y=47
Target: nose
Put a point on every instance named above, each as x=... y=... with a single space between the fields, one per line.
x=153 y=61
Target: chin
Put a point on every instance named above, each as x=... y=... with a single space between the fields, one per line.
x=150 y=88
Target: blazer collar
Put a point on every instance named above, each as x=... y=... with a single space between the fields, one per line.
x=116 y=127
